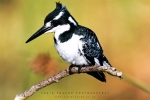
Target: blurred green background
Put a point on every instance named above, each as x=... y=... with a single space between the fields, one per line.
x=122 y=26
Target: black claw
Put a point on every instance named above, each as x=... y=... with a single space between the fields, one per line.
x=79 y=68
x=70 y=69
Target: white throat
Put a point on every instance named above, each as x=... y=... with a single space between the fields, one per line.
x=60 y=29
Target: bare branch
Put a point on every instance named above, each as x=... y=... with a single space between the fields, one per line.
x=110 y=70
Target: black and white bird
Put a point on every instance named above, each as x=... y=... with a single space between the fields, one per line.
x=76 y=44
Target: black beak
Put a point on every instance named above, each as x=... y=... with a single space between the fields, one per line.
x=41 y=31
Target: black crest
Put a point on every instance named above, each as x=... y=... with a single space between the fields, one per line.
x=59 y=8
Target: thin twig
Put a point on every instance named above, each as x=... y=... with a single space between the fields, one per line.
x=110 y=70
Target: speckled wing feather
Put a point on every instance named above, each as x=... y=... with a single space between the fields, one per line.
x=91 y=50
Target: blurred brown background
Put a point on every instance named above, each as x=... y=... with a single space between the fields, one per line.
x=123 y=28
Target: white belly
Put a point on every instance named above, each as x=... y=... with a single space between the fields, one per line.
x=69 y=51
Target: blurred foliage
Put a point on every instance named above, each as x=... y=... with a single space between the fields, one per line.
x=43 y=64
x=121 y=26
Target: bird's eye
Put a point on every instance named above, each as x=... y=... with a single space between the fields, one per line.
x=54 y=22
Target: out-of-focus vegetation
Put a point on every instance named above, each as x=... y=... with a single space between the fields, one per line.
x=123 y=28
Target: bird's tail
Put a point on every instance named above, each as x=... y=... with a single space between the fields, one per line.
x=100 y=75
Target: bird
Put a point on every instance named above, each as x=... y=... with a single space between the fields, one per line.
x=75 y=43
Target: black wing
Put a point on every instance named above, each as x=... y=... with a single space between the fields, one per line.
x=91 y=50
x=91 y=47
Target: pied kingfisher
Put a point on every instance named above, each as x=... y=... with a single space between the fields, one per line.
x=76 y=44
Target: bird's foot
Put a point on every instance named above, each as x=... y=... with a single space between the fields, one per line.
x=79 y=68
x=70 y=72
